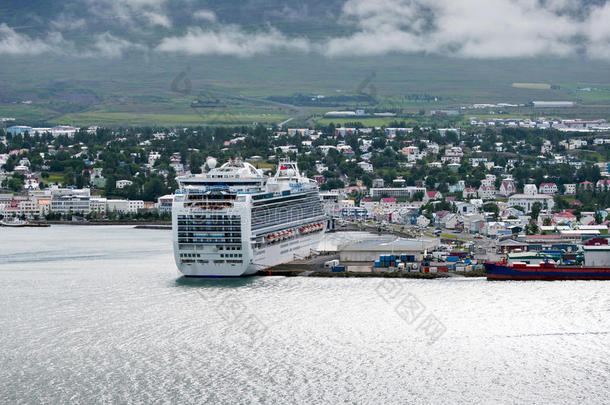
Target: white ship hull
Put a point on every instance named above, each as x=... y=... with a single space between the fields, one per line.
x=283 y=252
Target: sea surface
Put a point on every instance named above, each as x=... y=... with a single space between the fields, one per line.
x=101 y=315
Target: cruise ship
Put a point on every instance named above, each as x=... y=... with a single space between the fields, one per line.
x=232 y=220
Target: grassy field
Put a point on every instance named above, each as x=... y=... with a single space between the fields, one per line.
x=131 y=92
x=159 y=119
x=54 y=178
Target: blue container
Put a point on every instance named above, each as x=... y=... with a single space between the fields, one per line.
x=453 y=259
x=338 y=269
x=377 y=263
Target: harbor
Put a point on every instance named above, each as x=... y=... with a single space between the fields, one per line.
x=132 y=322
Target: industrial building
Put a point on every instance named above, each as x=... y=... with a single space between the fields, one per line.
x=370 y=250
x=597 y=256
x=553 y=104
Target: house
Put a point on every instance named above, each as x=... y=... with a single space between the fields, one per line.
x=602 y=185
x=123 y=183
x=492 y=229
x=570 y=189
x=469 y=192
x=563 y=218
x=548 y=188
x=465 y=208
x=507 y=188
x=458 y=187
x=422 y=221
x=388 y=203
x=473 y=223
x=486 y=191
x=453 y=155
x=530 y=189
x=450 y=221
x=432 y=195
x=366 y=167
x=586 y=185
x=587 y=219
x=378 y=183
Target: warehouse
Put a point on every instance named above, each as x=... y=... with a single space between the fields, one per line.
x=553 y=104
x=370 y=250
x=597 y=256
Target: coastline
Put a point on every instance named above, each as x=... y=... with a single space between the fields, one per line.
x=143 y=224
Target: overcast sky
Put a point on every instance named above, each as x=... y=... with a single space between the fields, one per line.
x=461 y=28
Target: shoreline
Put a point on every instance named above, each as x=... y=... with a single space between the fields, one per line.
x=101 y=223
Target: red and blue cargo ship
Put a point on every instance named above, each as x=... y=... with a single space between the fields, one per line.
x=544 y=271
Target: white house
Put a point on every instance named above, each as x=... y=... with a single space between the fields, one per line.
x=465 y=208
x=530 y=189
x=469 y=192
x=366 y=167
x=422 y=221
x=507 y=188
x=548 y=188
x=123 y=183
x=486 y=191
x=570 y=189
x=432 y=195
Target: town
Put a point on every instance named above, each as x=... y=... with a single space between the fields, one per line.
x=522 y=187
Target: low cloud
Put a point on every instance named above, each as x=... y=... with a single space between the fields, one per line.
x=205 y=15
x=231 y=40
x=14 y=43
x=473 y=28
x=108 y=46
x=466 y=28
x=135 y=12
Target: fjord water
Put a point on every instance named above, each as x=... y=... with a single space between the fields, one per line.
x=101 y=315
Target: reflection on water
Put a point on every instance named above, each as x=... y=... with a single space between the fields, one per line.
x=100 y=314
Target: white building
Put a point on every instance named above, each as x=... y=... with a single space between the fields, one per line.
x=164 y=204
x=118 y=206
x=135 y=206
x=548 y=188
x=526 y=201
x=123 y=183
x=530 y=189
x=366 y=167
x=70 y=204
x=396 y=192
x=486 y=191
x=98 y=205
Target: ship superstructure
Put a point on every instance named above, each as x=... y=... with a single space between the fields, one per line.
x=233 y=220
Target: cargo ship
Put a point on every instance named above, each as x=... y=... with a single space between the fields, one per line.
x=596 y=266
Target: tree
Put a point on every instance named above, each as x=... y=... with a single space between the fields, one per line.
x=546 y=221
x=536 y=208
x=493 y=208
x=418 y=196
x=531 y=228
x=598 y=217
x=15 y=183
